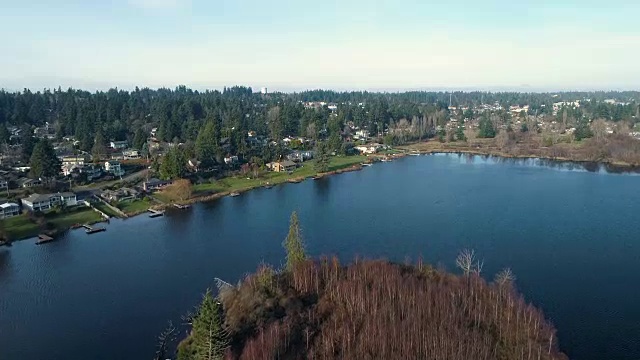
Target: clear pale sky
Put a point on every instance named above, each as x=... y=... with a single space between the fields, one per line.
x=342 y=44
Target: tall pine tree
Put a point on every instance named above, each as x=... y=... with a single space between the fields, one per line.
x=294 y=244
x=209 y=339
x=44 y=161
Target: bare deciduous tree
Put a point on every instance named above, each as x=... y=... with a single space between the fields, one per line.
x=465 y=260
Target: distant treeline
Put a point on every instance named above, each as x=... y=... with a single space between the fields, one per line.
x=181 y=113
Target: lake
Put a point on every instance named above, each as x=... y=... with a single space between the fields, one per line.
x=569 y=235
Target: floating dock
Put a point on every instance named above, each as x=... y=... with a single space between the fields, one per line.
x=91 y=230
x=155 y=213
x=42 y=239
x=182 y=207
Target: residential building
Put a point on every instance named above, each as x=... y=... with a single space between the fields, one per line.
x=113 y=167
x=93 y=172
x=194 y=164
x=73 y=160
x=362 y=134
x=123 y=194
x=131 y=154
x=8 y=210
x=118 y=145
x=300 y=156
x=44 y=202
x=282 y=166
x=368 y=148
x=230 y=159
x=28 y=183
x=155 y=184
x=69 y=169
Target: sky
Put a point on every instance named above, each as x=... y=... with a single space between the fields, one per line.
x=293 y=45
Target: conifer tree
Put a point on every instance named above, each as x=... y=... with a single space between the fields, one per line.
x=294 y=243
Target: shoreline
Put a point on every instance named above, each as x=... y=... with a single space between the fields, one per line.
x=622 y=167
x=619 y=165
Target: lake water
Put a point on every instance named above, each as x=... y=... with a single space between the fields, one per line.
x=571 y=237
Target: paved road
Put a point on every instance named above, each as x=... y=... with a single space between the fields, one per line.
x=94 y=188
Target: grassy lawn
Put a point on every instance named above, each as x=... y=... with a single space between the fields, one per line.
x=105 y=209
x=83 y=215
x=307 y=170
x=19 y=227
x=135 y=207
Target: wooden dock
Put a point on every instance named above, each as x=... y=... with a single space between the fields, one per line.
x=156 y=213
x=43 y=238
x=92 y=230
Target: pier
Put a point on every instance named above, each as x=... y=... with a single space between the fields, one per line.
x=92 y=230
x=43 y=238
x=182 y=207
x=156 y=213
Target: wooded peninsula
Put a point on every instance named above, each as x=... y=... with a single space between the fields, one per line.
x=322 y=309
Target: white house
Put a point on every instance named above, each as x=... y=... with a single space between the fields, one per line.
x=8 y=210
x=73 y=160
x=118 y=145
x=44 y=202
x=362 y=134
x=131 y=154
x=113 y=167
x=368 y=148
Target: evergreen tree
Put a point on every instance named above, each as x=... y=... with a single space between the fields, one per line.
x=28 y=142
x=460 y=134
x=322 y=157
x=4 y=134
x=294 y=244
x=139 y=139
x=207 y=148
x=44 y=161
x=99 y=149
x=209 y=339
x=486 y=128
x=174 y=164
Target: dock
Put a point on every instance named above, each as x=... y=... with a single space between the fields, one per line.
x=155 y=213
x=92 y=230
x=43 y=238
x=182 y=207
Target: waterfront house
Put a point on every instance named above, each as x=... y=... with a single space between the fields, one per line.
x=282 y=166
x=113 y=167
x=118 y=145
x=155 y=184
x=123 y=194
x=368 y=148
x=9 y=209
x=44 y=202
